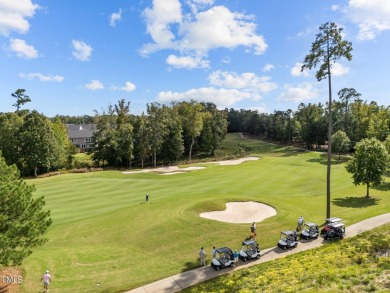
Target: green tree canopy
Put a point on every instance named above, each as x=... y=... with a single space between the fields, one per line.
x=142 y=146
x=10 y=124
x=387 y=143
x=369 y=163
x=346 y=95
x=23 y=222
x=38 y=146
x=340 y=142
x=21 y=98
x=192 y=118
x=157 y=127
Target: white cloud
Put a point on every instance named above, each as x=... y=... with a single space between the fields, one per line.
x=247 y=81
x=128 y=87
x=187 y=62
x=14 y=14
x=22 y=50
x=259 y=109
x=115 y=17
x=159 y=19
x=268 y=67
x=306 y=32
x=221 y=97
x=227 y=88
x=372 y=17
x=94 y=85
x=42 y=77
x=198 y=32
x=81 y=51
x=339 y=69
x=195 y=5
x=218 y=27
x=298 y=93
x=296 y=70
x=335 y=7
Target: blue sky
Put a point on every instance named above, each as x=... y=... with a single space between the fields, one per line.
x=74 y=57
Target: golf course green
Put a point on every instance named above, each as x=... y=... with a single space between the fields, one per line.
x=106 y=238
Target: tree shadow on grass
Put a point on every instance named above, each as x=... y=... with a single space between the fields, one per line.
x=355 y=202
x=191 y=265
x=294 y=152
x=323 y=160
x=383 y=187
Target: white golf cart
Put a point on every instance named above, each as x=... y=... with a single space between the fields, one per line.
x=249 y=250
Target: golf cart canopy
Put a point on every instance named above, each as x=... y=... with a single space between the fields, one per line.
x=337 y=225
x=288 y=232
x=249 y=242
x=333 y=220
x=311 y=225
x=223 y=250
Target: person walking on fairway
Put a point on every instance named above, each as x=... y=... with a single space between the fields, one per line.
x=253 y=230
x=300 y=223
x=202 y=255
x=147 y=197
x=46 y=280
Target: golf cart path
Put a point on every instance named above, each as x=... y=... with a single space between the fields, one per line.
x=187 y=279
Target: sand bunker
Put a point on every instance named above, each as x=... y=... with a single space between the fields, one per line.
x=236 y=162
x=242 y=212
x=170 y=169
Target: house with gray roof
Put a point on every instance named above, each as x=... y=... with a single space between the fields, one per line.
x=80 y=135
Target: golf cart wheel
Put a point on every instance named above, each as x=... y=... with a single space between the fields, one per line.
x=244 y=259
x=258 y=256
x=284 y=247
x=232 y=264
x=296 y=244
x=216 y=268
x=307 y=237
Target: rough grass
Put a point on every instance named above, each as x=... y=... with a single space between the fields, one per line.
x=105 y=238
x=359 y=264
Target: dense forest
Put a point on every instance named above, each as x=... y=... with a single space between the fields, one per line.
x=181 y=131
x=307 y=125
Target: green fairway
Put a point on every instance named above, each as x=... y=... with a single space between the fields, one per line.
x=105 y=238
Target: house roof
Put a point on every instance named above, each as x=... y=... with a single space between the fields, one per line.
x=80 y=130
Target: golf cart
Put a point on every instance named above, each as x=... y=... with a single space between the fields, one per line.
x=288 y=239
x=249 y=250
x=329 y=222
x=335 y=231
x=223 y=258
x=310 y=231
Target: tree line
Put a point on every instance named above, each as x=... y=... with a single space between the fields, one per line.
x=163 y=135
x=307 y=126
x=37 y=144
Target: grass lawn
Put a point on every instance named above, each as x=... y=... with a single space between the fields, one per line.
x=105 y=238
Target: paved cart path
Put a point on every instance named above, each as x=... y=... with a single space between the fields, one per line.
x=187 y=279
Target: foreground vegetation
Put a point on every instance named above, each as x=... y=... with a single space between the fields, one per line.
x=358 y=264
x=104 y=238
